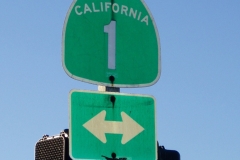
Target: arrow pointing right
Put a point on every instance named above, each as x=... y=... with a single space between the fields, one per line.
x=99 y=127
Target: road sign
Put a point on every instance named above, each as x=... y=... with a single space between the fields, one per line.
x=102 y=123
x=111 y=43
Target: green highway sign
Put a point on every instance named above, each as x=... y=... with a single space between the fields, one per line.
x=102 y=123
x=111 y=43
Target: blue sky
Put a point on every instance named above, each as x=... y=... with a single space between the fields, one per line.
x=198 y=99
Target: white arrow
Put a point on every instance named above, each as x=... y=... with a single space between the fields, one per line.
x=98 y=127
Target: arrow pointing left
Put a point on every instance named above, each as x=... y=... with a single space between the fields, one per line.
x=99 y=127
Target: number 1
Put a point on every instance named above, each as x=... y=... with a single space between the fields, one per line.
x=111 y=30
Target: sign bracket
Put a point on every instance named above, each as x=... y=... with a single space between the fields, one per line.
x=108 y=89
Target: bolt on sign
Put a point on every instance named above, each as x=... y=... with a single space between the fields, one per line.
x=105 y=123
x=111 y=43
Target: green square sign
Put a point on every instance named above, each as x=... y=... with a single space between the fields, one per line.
x=102 y=123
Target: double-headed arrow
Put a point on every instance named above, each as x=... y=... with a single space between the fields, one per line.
x=99 y=127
